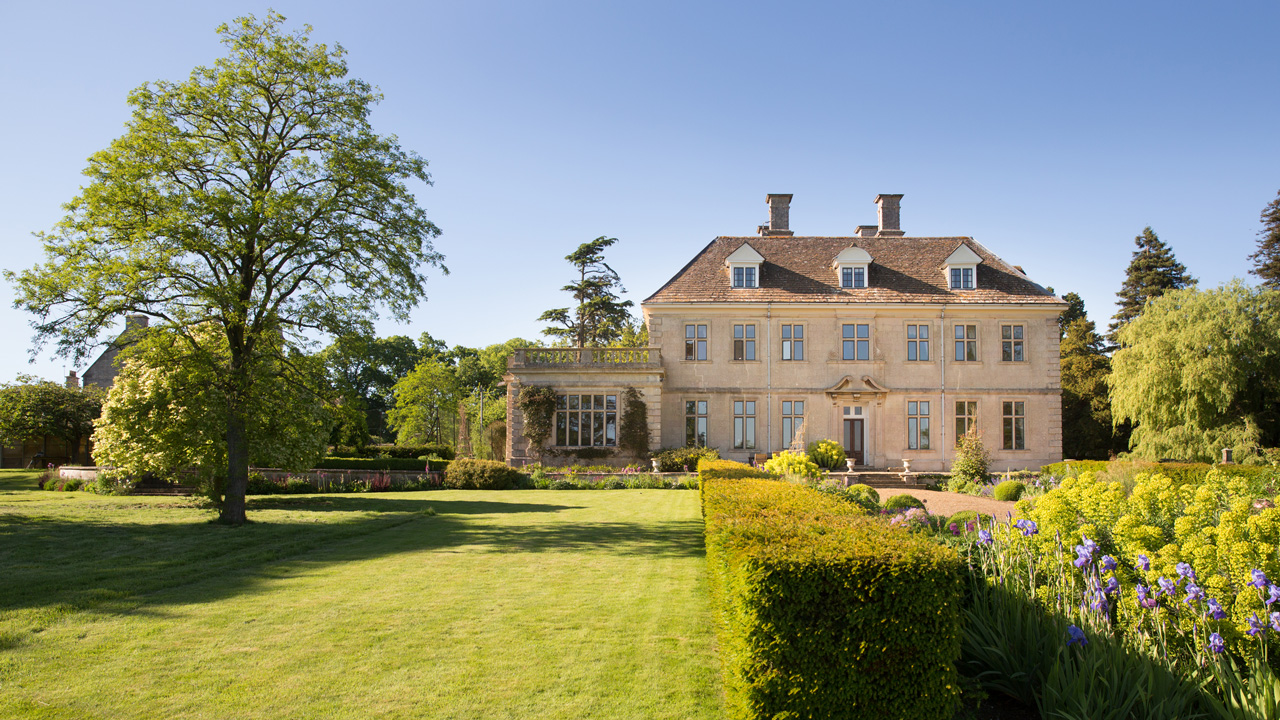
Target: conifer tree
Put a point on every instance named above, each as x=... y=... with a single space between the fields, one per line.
x=1152 y=272
x=599 y=319
x=1266 y=261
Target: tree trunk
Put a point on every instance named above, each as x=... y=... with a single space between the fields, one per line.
x=237 y=468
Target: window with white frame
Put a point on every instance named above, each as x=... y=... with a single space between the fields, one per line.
x=918 y=343
x=1015 y=425
x=792 y=419
x=744 y=342
x=917 y=424
x=744 y=276
x=792 y=342
x=856 y=341
x=966 y=343
x=744 y=424
x=962 y=278
x=695 y=423
x=695 y=342
x=966 y=417
x=853 y=277
x=1011 y=343
x=586 y=420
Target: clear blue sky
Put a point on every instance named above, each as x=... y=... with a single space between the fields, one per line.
x=1050 y=132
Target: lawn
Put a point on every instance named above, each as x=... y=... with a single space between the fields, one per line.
x=449 y=604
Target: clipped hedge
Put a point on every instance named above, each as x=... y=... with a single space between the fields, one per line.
x=903 y=502
x=1009 y=491
x=395 y=451
x=468 y=474
x=341 y=463
x=1182 y=473
x=683 y=459
x=823 y=612
x=709 y=469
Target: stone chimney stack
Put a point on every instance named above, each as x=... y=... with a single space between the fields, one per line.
x=73 y=382
x=779 y=216
x=890 y=215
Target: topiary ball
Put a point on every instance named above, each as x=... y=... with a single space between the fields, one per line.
x=1009 y=491
x=902 y=502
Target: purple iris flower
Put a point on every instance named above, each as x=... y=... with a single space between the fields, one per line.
x=1273 y=594
x=1216 y=644
x=1259 y=579
x=1089 y=544
x=1167 y=586
x=1108 y=563
x=1275 y=621
x=1083 y=556
x=1028 y=527
x=1215 y=610
x=1112 y=587
x=1144 y=564
x=984 y=537
x=1099 y=602
x=1076 y=636
x=1256 y=626
x=1184 y=570
x=1194 y=593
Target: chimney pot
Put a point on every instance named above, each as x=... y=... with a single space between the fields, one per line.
x=779 y=216
x=73 y=382
x=890 y=215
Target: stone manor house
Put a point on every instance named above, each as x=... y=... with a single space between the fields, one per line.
x=891 y=345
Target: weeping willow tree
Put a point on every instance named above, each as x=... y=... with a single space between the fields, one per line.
x=1199 y=371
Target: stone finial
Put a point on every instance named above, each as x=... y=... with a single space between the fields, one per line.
x=779 y=216
x=890 y=214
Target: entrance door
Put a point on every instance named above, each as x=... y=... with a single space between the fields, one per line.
x=853 y=440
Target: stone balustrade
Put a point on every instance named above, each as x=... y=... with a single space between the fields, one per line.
x=612 y=357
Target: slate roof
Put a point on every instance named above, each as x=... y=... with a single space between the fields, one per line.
x=799 y=269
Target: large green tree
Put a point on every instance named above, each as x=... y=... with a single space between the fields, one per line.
x=1199 y=371
x=425 y=401
x=253 y=197
x=365 y=369
x=1266 y=261
x=600 y=316
x=1152 y=272
x=1087 y=431
x=32 y=408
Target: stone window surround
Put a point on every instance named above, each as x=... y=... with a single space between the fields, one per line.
x=1025 y=341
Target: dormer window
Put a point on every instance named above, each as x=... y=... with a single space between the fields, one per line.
x=851 y=267
x=961 y=268
x=744 y=267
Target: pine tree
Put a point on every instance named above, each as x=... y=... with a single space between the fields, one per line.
x=599 y=318
x=1074 y=311
x=1152 y=272
x=1266 y=262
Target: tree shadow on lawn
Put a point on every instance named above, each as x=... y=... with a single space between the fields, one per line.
x=56 y=567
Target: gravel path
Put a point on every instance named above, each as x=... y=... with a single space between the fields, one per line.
x=948 y=503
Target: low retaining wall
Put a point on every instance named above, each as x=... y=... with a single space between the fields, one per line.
x=89 y=474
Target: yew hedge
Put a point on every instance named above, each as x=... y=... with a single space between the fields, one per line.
x=823 y=612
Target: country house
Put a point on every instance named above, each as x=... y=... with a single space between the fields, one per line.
x=891 y=345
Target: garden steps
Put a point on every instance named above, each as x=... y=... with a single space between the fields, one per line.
x=881 y=479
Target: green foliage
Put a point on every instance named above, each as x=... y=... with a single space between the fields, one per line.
x=167 y=413
x=633 y=429
x=1200 y=371
x=364 y=370
x=253 y=197
x=902 y=502
x=827 y=454
x=425 y=399
x=31 y=408
x=469 y=474
x=1009 y=491
x=971 y=461
x=1087 y=430
x=1073 y=467
x=967 y=487
x=338 y=463
x=787 y=463
x=683 y=459
x=1266 y=261
x=538 y=408
x=440 y=450
x=864 y=495
x=961 y=520
x=712 y=469
x=1152 y=272
x=599 y=318
x=823 y=612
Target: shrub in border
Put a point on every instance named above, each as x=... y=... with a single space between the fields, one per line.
x=683 y=458
x=469 y=474
x=823 y=612
x=1009 y=491
x=903 y=502
x=711 y=469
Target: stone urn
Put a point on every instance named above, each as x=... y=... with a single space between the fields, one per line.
x=654 y=462
x=848 y=463
x=906 y=466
